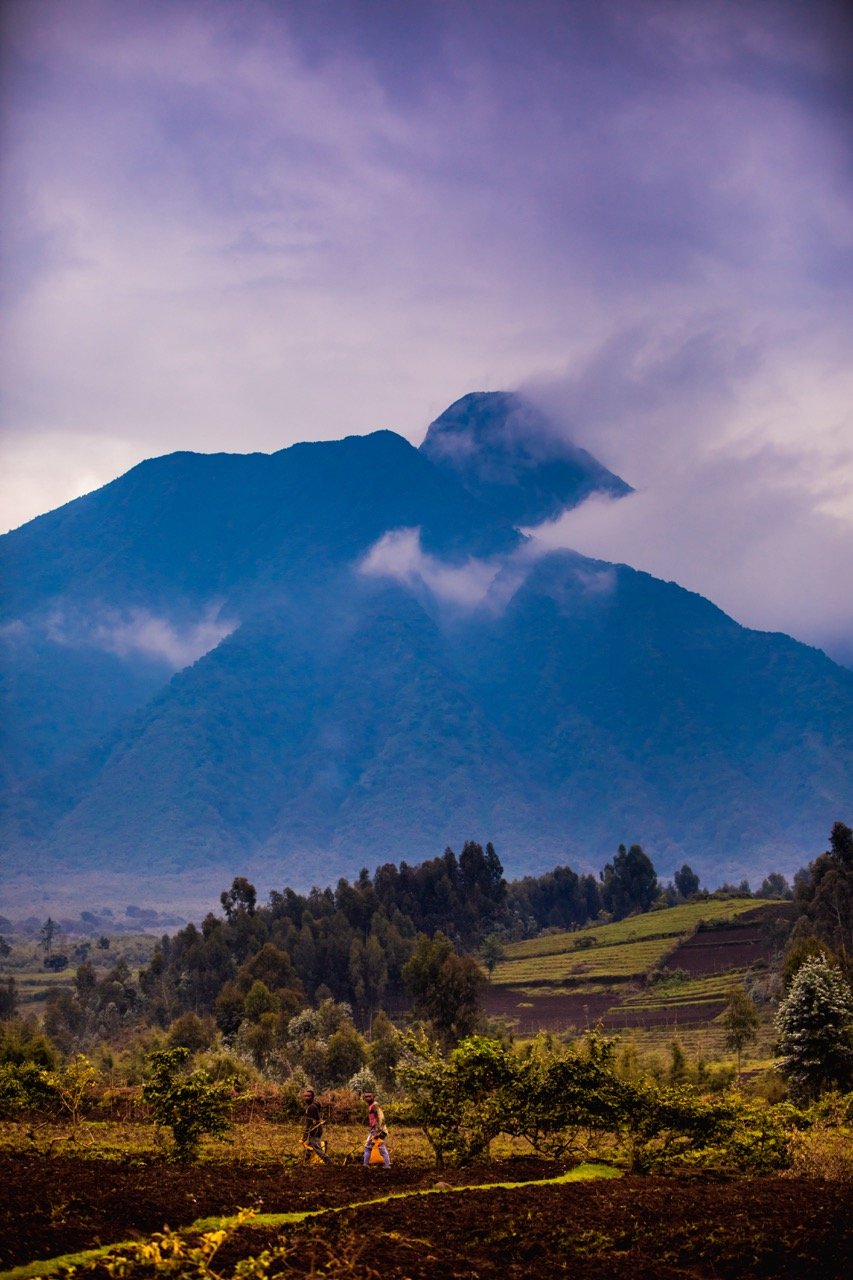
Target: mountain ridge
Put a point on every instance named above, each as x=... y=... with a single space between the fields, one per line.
x=340 y=653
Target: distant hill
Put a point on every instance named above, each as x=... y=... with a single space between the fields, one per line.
x=345 y=653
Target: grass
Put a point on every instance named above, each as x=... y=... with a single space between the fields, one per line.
x=615 y=963
x=672 y=922
x=592 y=958
x=248 y=1142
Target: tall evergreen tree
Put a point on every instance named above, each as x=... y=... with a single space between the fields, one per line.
x=815 y=1031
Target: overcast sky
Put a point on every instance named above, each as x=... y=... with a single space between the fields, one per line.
x=234 y=225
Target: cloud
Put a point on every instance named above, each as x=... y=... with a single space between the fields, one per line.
x=398 y=554
x=239 y=226
x=754 y=515
x=140 y=632
x=488 y=584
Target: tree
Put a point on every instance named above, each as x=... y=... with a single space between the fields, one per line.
x=774 y=886
x=686 y=881
x=242 y=896
x=629 y=882
x=815 y=1031
x=740 y=1020
x=73 y=1083
x=384 y=1050
x=48 y=932
x=446 y=988
x=259 y=1000
x=346 y=1054
x=825 y=898
x=491 y=953
x=8 y=999
x=192 y=1032
x=188 y=1104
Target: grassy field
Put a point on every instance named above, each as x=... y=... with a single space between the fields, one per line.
x=605 y=963
x=675 y=922
x=693 y=991
x=611 y=953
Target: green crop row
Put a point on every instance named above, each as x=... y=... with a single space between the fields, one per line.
x=672 y=922
x=617 y=962
x=692 y=991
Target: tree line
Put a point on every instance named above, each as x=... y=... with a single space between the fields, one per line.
x=407 y=935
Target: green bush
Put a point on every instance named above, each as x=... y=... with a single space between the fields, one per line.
x=191 y=1105
x=574 y=1103
x=26 y=1086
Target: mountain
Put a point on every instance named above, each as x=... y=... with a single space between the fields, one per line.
x=508 y=454
x=342 y=654
x=104 y=598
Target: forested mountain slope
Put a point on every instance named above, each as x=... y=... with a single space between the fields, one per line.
x=345 y=653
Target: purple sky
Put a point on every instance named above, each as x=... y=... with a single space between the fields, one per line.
x=237 y=225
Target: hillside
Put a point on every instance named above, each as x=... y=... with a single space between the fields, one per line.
x=666 y=971
x=344 y=653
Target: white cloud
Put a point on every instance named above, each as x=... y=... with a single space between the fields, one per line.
x=138 y=631
x=737 y=533
x=399 y=555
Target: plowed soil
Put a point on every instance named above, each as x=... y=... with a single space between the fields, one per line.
x=563 y=1011
x=623 y=1229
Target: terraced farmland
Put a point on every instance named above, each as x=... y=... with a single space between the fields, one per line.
x=673 y=994
x=570 y=980
x=676 y=922
x=614 y=964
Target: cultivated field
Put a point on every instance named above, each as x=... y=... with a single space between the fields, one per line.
x=654 y=974
x=515 y=1216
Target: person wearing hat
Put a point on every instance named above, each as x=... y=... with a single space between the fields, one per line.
x=312 y=1132
x=377 y=1133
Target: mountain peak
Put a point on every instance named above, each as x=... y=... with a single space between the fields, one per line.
x=509 y=454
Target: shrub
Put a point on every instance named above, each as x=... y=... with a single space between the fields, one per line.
x=73 y=1084
x=823 y=1152
x=189 y=1105
x=25 y=1086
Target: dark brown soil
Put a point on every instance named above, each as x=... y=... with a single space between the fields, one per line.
x=626 y=1229
x=52 y=1205
x=561 y=1011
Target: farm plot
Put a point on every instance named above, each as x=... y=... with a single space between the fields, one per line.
x=530 y=1011
x=416 y=1228
x=671 y=923
x=617 y=963
x=716 y=951
x=675 y=993
x=566 y=980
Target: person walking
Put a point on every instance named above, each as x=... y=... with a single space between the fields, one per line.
x=312 y=1131
x=377 y=1133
